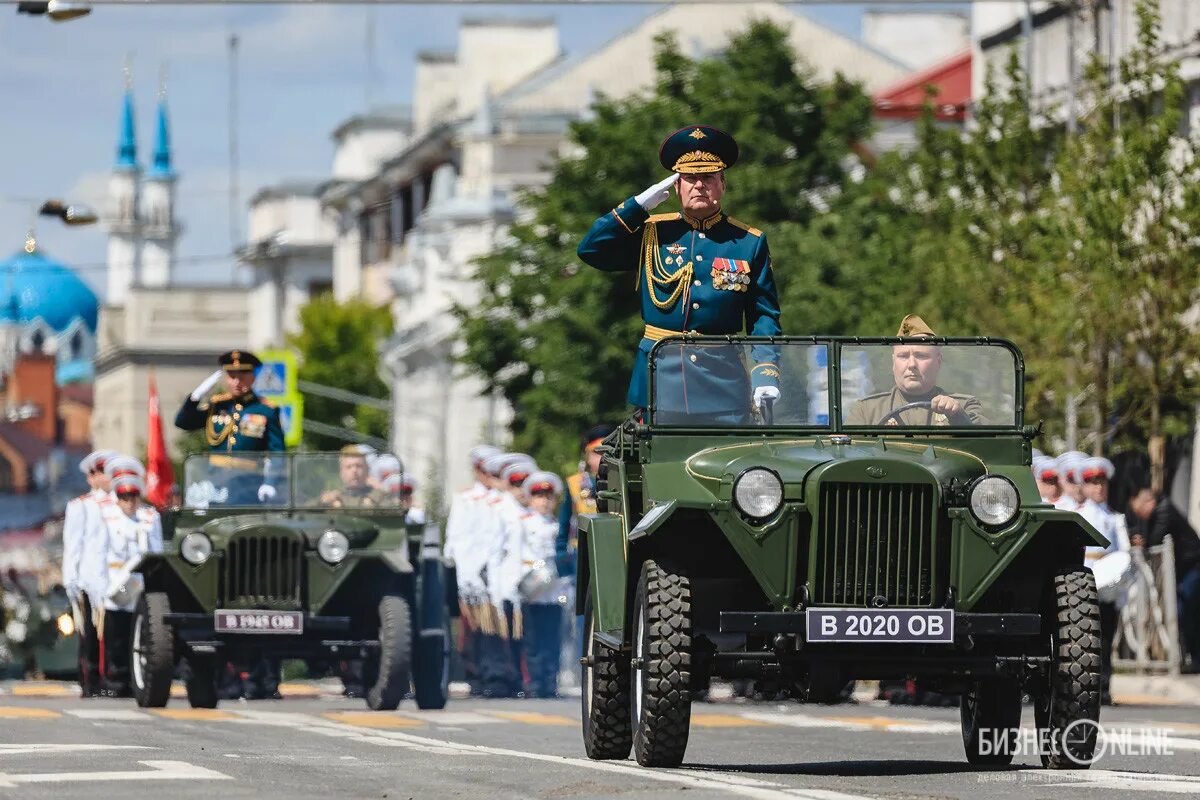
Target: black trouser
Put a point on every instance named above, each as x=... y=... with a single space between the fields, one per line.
x=1109 y=615
x=543 y=639
x=89 y=649
x=118 y=625
x=499 y=661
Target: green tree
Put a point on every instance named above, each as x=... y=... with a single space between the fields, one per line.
x=557 y=338
x=339 y=346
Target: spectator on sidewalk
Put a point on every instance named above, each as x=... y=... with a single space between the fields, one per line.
x=1158 y=518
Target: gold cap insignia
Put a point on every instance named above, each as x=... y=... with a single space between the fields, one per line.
x=697 y=134
x=913 y=325
x=699 y=161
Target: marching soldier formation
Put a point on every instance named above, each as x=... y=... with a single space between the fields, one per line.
x=105 y=534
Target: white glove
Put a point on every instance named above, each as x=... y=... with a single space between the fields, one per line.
x=765 y=392
x=657 y=193
x=266 y=493
x=206 y=386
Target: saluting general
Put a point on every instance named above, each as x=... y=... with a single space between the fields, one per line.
x=237 y=420
x=698 y=271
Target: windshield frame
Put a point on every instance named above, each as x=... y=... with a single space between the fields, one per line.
x=287 y=470
x=835 y=345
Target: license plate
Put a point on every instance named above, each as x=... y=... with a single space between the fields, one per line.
x=235 y=621
x=899 y=625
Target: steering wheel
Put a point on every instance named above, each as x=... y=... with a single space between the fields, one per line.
x=896 y=412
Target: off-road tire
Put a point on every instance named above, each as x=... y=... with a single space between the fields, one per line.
x=662 y=699
x=607 y=729
x=986 y=708
x=152 y=651
x=201 y=682
x=431 y=671
x=392 y=667
x=1068 y=701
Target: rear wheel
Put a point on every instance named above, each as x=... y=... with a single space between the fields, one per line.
x=1067 y=703
x=152 y=651
x=605 y=693
x=662 y=700
x=389 y=670
x=991 y=721
x=201 y=682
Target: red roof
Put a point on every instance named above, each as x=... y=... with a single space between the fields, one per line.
x=951 y=84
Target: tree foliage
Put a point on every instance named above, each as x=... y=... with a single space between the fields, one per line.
x=339 y=346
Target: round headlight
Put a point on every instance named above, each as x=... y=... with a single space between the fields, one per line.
x=994 y=501
x=758 y=493
x=333 y=546
x=195 y=548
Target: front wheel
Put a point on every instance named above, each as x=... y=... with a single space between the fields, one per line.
x=152 y=651
x=201 y=682
x=390 y=669
x=662 y=642
x=990 y=711
x=431 y=671
x=1066 y=704
x=605 y=693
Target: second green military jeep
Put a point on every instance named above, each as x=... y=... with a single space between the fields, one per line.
x=878 y=521
x=322 y=565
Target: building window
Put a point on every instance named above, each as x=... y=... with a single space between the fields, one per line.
x=76 y=347
x=318 y=288
x=38 y=340
x=377 y=232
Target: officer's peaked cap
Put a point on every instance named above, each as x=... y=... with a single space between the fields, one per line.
x=237 y=360
x=698 y=149
x=119 y=466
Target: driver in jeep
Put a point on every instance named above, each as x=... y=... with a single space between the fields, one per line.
x=356 y=491
x=916 y=399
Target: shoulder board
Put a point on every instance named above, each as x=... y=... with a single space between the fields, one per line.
x=750 y=229
x=663 y=217
x=221 y=398
x=82 y=497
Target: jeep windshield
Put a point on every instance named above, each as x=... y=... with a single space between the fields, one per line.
x=302 y=480
x=882 y=385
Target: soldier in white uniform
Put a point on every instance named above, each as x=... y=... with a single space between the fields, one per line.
x=460 y=552
x=1045 y=472
x=542 y=590
x=504 y=567
x=1113 y=565
x=128 y=529
x=75 y=527
x=1069 y=466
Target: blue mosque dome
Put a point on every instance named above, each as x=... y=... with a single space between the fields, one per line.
x=33 y=285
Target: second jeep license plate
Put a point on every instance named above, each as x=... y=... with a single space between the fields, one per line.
x=899 y=625
x=236 y=621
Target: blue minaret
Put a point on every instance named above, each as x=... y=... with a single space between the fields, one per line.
x=127 y=146
x=162 y=145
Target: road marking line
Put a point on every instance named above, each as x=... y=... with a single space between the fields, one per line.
x=465 y=718
x=1143 y=700
x=21 y=712
x=51 y=749
x=159 y=771
x=178 y=691
x=727 y=721
x=41 y=690
x=372 y=719
x=889 y=724
x=534 y=718
x=299 y=690
x=110 y=714
x=203 y=714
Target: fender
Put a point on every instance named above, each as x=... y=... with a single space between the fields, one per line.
x=604 y=559
x=1034 y=524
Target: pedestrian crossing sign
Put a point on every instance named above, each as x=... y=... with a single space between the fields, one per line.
x=275 y=382
x=291 y=416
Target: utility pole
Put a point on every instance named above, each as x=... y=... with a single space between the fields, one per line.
x=234 y=204
x=370 y=49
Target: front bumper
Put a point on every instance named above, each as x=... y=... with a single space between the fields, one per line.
x=322 y=636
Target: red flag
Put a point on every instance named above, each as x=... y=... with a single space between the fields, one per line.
x=160 y=476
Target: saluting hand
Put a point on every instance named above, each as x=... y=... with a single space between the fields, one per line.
x=206 y=385
x=657 y=193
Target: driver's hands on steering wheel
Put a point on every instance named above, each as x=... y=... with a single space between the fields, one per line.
x=945 y=404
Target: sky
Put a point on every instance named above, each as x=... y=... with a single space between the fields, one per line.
x=303 y=69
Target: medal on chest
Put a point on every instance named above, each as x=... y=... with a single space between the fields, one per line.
x=731 y=275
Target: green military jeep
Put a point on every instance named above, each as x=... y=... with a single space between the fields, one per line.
x=321 y=565
x=878 y=521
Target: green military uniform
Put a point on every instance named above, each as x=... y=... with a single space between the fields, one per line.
x=871 y=410
x=874 y=410
x=357 y=497
x=234 y=424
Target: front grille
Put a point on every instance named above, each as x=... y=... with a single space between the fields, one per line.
x=263 y=571
x=875 y=545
